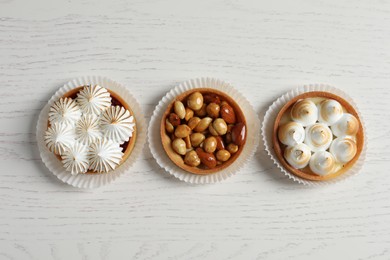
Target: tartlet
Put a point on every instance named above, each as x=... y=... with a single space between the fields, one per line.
x=203 y=137
x=318 y=136
x=96 y=141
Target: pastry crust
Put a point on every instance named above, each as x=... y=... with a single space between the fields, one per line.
x=127 y=147
x=306 y=173
x=166 y=140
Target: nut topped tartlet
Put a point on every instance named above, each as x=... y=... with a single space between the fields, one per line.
x=203 y=131
x=318 y=136
x=91 y=130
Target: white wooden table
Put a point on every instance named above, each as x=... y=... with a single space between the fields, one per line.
x=264 y=48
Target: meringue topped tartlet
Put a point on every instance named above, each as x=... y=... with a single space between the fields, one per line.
x=318 y=136
x=90 y=129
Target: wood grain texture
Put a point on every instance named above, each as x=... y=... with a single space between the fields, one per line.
x=264 y=48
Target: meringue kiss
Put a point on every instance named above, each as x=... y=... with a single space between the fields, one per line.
x=291 y=133
x=298 y=156
x=346 y=125
x=343 y=148
x=305 y=112
x=318 y=137
x=330 y=111
x=322 y=163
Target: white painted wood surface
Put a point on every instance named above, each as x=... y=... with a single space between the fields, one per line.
x=264 y=48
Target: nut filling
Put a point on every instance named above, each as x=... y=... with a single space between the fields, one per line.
x=205 y=128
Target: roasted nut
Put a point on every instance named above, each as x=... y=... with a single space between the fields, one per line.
x=192 y=158
x=227 y=113
x=238 y=133
x=223 y=155
x=211 y=98
x=179 y=146
x=213 y=110
x=174 y=119
x=202 y=112
x=187 y=141
x=220 y=144
x=168 y=126
x=210 y=144
x=228 y=138
x=203 y=124
x=196 y=139
x=208 y=159
x=179 y=109
x=232 y=148
x=230 y=126
x=212 y=130
x=193 y=122
x=189 y=114
x=182 y=131
x=220 y=126
x=195 y=101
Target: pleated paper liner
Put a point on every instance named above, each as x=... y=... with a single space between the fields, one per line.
x=252 y=123
x=268 y=124
x=95 y=180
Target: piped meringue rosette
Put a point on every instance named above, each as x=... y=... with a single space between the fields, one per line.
x=318 y=136
x=90 y=130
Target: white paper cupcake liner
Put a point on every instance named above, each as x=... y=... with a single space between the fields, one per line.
x=253 y=135
x=99 y=179
x=268 y=124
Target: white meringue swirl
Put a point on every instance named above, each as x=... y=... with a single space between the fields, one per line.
x=304 y=111
x=298 y=156
x=93 y=99
x=291 y=133
x=346 y=125
x=322 y=163
x=87 y=129
x=318 y=137
x=104 y=155
x=343 y=149
x=58 y=137
x=65 y=110
x=117 y=124
x=330 y=111
x=75 y=159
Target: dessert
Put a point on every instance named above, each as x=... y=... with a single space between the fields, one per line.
x=317 y=136
x=203 y=131
x=91 y=130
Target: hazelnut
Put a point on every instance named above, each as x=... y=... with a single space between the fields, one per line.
x=195 y=101
x=179 y=109
x=182 y=131
x=213 y=110
x=210 y=144
x=193 y=122
x=203 y=124
x=232 y=148
x=220 y=126
x=223 y=155
x=202 y=112
x=168 y=126
x=179 y=146
x=197 y=139
x=191 y=158
x=212 y=130
x=189 y=114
